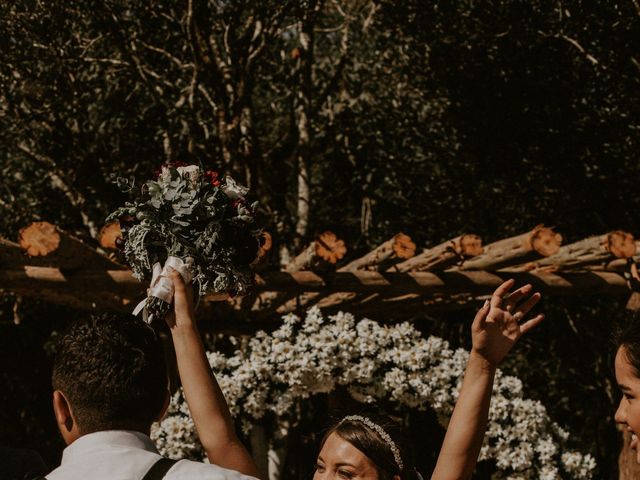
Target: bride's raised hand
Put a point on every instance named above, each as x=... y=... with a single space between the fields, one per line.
x=501 y=321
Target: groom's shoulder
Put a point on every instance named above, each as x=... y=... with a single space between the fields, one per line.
x=188 y=469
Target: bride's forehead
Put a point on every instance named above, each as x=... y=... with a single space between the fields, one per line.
x=623 y=366
x=336 y=446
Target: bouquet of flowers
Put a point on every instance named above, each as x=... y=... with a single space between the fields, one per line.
x=196 y=222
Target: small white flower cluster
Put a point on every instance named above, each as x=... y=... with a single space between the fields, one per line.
x=272 y=374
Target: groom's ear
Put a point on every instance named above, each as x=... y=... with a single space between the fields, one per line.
x=64 y=417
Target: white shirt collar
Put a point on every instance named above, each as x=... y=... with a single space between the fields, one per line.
x=118 y=438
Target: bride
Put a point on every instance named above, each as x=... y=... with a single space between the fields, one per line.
x=359 y=447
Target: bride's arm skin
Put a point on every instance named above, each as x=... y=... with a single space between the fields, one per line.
x=494 y=331
x=206 y=402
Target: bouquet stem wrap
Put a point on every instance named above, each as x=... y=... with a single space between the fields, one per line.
x=160 y=293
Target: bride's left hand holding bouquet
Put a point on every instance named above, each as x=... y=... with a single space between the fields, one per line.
x=196 y=222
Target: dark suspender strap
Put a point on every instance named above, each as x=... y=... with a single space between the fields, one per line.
x=159 y=469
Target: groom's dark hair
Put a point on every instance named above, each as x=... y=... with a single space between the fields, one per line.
x=112 y=371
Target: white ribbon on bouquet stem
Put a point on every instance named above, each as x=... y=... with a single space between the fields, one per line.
x=161 y=285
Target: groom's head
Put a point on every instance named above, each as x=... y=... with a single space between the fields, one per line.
x=109 y=374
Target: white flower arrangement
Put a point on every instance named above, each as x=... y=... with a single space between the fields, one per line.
x=273 y=373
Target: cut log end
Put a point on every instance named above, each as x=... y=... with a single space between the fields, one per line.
x=470 y=245
x=39 y=239
x=330 y=248
x=108 y=235
x=545 y=241
x=620 y=244
x=403 y=246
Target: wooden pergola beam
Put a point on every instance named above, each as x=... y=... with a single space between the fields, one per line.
x=398 y=248
x=121 y=284
x=476 y=282
x=537 y=243
x=85 y=281
x=599 y=249
x=50 y=246
x=11 y=255
x=327 y=247
x=442 y=256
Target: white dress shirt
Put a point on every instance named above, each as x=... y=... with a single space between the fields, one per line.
x=126 y=455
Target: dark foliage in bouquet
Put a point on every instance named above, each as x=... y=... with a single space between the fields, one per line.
x=197 y=216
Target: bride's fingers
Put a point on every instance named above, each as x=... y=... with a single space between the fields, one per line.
x=531 y=324
x=511 y=300
x=481 y=316
x=501 y=292
x=528 y=304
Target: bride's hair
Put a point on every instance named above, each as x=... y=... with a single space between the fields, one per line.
x=629 y=338
x=369 y=440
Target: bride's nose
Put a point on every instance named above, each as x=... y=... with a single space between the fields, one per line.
x=621 y=412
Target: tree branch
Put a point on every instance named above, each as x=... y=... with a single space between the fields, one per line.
x=58 y=181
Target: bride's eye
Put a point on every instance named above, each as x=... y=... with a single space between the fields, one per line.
x=319 y=467
x=345 y=474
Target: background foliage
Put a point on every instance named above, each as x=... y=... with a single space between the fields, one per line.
x=365 y=117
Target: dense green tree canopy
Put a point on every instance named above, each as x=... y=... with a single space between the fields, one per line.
x=367 y=117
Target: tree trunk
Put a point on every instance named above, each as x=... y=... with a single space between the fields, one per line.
x=276 y=458
x=303 y=112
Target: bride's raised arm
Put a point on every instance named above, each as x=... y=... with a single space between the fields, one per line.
x=496 y=328
x=201 y=390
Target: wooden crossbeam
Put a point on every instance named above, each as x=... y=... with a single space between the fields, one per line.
x=327 y=248
x=11 y=255
x=599 y=249
x=477 y=282
x=121 y=285
x=540 y=242
x=85 y=281
x=398 y=248
x=442 y=256
x=52 y=247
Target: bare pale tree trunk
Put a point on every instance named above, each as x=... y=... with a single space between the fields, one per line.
x=276 y=457
x=303 y=117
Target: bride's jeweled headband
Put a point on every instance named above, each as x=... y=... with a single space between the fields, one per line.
x=380 y=431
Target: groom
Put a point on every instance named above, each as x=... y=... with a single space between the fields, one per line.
x=110 y=384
